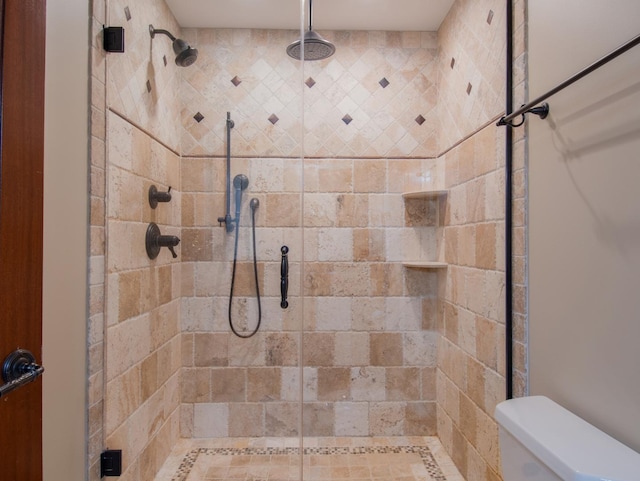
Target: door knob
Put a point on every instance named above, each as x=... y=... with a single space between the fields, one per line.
x=18 y=369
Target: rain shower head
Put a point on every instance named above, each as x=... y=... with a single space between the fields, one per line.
x=313 y=46
x=185 y=55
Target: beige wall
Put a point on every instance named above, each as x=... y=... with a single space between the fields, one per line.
x=584 y=217
x=65 y=241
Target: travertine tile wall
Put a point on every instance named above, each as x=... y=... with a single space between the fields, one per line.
x=97 y=228
x=143 y=83
x=471 y=367
x=471 y=352
x=137 y=104
x=143 y=342
x=520 y=149
x=471 y=64
x=369 y=322
x=360 y=221
x=375 y=97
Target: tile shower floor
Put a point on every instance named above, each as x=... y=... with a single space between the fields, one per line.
x=324 y=459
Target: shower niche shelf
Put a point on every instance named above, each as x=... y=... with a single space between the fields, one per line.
x=439 y=196
x=425 y=265
x=425 y=194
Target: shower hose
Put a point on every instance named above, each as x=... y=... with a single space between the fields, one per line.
x=254 y=205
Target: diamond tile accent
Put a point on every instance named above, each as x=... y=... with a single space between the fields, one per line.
x=273 y=118
x=127 y=13
x=453 y=62
x=490 y=17
x=420 y=119
x=347 y=119
x=148 y=86
x=340 y=86
x=469 y=87
x=198 y=117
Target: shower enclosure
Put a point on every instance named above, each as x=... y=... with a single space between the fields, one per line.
x=353 y=354
x=337 y=160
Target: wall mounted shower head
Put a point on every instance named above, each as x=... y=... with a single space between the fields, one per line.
x=185 y=55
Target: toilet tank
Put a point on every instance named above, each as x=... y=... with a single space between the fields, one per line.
x=542 y=441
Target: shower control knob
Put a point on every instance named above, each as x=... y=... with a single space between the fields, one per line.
x=155 y=196
x=154 y=241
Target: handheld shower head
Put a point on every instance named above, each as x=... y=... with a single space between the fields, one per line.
x=240 y=183
x=185 y=55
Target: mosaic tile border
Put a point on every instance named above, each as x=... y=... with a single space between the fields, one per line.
x=424 y=452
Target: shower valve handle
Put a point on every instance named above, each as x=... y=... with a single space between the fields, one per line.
x=154 y=241
x=156 y=196
x=284 y=277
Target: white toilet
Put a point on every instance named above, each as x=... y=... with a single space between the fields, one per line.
x=542 y=441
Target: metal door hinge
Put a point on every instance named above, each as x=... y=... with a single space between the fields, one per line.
x=111 y=463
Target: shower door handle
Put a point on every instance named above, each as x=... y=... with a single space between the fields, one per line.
x=284 y=277
x=19 y=368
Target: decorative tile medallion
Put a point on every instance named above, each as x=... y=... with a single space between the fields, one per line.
x=198 y=117
x=384 y=82
x=420 y=119
x=236 y=81
x=273 y=118
x=310 y=82
x=347 y=119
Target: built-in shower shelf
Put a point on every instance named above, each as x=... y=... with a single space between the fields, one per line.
x=425 y=265
x=424 y=194
x=428 y=195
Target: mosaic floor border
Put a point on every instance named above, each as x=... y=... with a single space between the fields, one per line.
x=424 y=452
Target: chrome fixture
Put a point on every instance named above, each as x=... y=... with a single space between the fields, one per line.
x=315 y=47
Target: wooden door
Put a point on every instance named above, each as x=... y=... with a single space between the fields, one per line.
x=21 y=161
